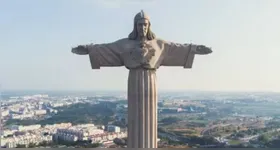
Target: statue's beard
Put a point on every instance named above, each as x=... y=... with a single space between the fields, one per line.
x=142 y=34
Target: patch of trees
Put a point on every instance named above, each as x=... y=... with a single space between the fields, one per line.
x=76 y=114
x=240 y=146
x=273 y=144
x=170 y=142
x=219 y=130
x=121 y=124
x=170 y=120
x=263 y=138
x=249 y=132
x=204 y=140
x=196 y=124
x=120 y=142
x=79 y=144
x=274 y=124
x=83 y=113
x=20 y=122
x=20 y=146
x=162 y=130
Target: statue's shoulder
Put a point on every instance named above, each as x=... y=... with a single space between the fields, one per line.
x=160 y=41
x=123 y=41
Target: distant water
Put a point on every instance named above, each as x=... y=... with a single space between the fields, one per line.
x=14 y=93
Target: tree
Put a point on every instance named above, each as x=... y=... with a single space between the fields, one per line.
x=240 y=135
x=44 y=144
x=170 y=120
x=91 y=145
x=20 y=146
x=263 y=138
x=160 y=104
x=32 y=145
x=120 y=142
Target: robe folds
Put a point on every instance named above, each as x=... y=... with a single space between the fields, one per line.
x=142 y=60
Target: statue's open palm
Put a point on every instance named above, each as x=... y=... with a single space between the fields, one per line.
x=80 y=50
x=203 y=50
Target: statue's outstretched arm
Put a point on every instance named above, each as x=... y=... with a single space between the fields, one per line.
x=101 y=55
x=176 y=54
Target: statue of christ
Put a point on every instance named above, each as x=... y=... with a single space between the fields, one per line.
x=142 y=54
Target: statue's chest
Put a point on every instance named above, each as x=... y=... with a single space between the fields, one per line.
x=142 y=54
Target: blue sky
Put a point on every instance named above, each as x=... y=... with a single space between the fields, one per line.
x=37 y=36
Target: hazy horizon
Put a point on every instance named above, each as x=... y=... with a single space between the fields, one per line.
x=116 y=90
x=37 y=37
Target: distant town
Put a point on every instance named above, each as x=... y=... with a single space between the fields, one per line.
x=185 y=119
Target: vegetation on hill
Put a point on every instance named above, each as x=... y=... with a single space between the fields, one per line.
x=170 y=120
x=77 y=144
x=76 y=114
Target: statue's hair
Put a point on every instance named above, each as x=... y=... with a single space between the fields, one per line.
x=133 y=35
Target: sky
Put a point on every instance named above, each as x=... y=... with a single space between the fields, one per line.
x=36 y=39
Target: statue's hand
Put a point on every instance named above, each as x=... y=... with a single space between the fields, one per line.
x=203 y=50
x=80 y=50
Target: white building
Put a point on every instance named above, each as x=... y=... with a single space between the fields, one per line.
x=41 y=96
x=105 y=137
x=28 y=128
x=57 y=104
x=59 y=126
x=24 y=111
x=40 y=112
x=12 y=142
x=5 y=113
x=112 y=128
x=51 y=110
x=79 y=132
x=7 y=132
x=23 y=116
x=66 y=137
x=52 y=129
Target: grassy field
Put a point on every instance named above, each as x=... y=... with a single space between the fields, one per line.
x=189 y=124
x=234 y=142
x=183 y=128
x=187 y=132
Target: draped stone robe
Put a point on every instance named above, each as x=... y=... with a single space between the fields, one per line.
x=142 y=62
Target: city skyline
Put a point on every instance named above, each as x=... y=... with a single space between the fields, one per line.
x=36 y=48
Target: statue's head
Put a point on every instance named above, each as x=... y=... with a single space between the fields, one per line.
x=142 y=27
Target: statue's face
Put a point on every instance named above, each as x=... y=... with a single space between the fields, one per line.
x=142 y=27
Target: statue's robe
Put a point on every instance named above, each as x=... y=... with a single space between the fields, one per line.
x=142 y=89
